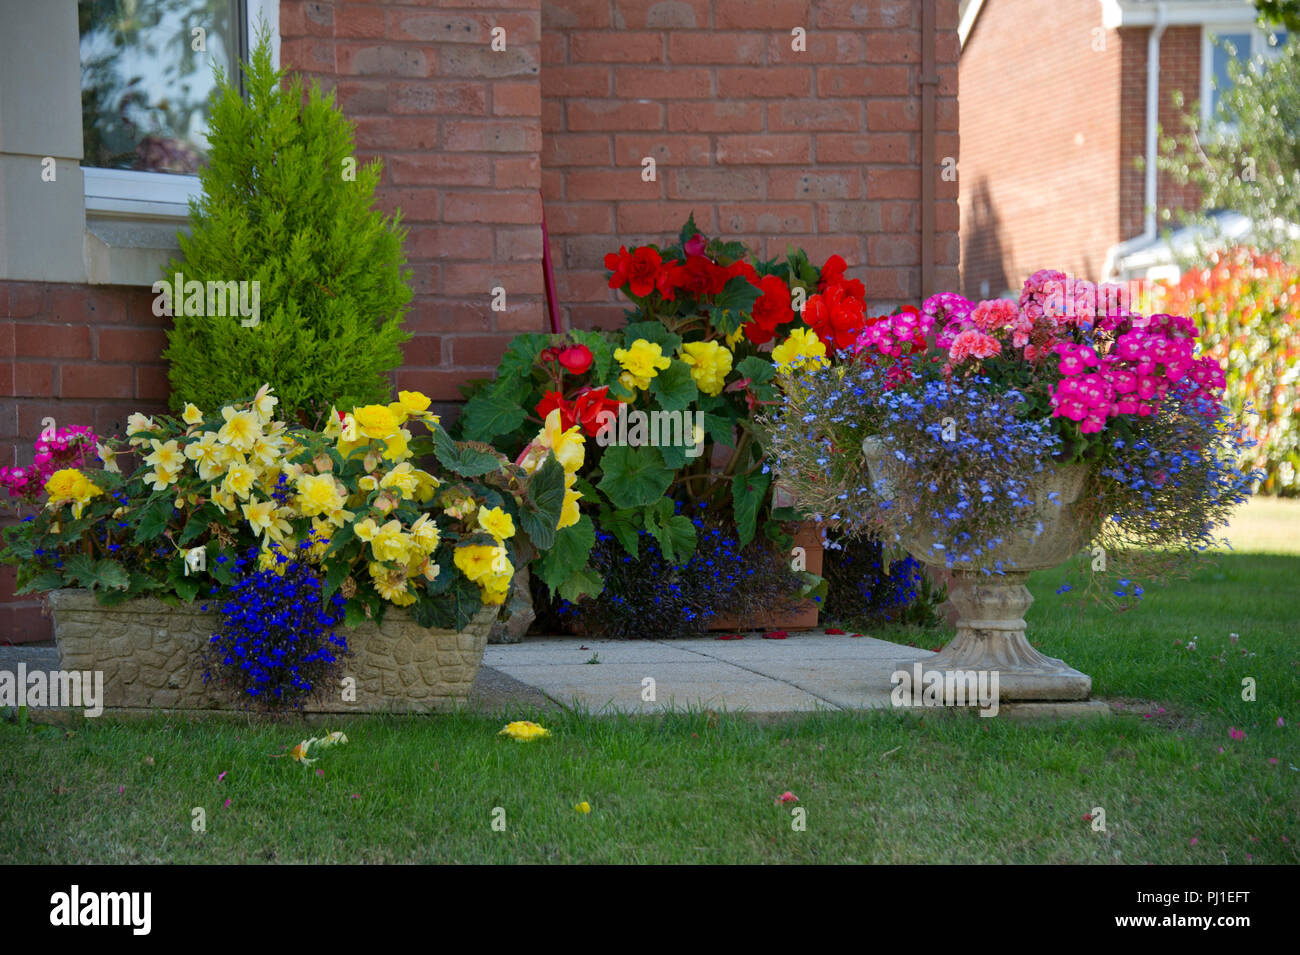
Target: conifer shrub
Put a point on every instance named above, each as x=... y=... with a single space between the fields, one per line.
x=285 y=205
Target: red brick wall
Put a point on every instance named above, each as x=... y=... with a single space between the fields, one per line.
x=762 y=143
x=458 y=127
x=1040 y=142
x=81 y=355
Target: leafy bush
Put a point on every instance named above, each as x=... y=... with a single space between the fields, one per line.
x=277 y=644
x=647 y=596
x=284 y=206
x=1247 y=307
x=865 y=589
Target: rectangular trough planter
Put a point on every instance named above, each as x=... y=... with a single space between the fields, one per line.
x=801 y=617
x=149 y=654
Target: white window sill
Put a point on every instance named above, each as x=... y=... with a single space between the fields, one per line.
x=155 y=195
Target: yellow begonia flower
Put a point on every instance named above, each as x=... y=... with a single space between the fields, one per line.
x=264 y=403
x=391 y=585
x=414 y=402
x=266 y=518
x=136 y=424
x=479 y=561
x=496 y=522
x=710 y=364
x=365 y=530
x=319 y=494
x=524 y=731
x=389 y=543
x=159 y=479
x=643 y=360
x=70 y=486
x=802 y=350
x=734 y=337
x=569 y=513
x=583 y=807
x=208 y=455
x=191 y=414
x=424 y=532
x=395 y=446
x=165 y=457
x=241 y=429
x=239 y=480
x=375 y=421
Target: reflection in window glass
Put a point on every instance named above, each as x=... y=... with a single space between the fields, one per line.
x=144 y=86
x=1227 y=46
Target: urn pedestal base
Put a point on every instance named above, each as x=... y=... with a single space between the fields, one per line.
x=991 y=637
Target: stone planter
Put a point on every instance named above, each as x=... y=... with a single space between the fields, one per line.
x=150 y=657
x=991 y=607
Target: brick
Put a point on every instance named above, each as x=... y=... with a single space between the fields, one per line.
x=552 y=184
x=353 y=20
x=440 y=99
x=849 y=217
x=676 y=82
x=77 y=304
x=893 y=184
x=600 y=114
x=889 y=116
x=564 y=81
x=894 y=46
x=626 y=47
x=33 y=379
x=715 y=117
x=814 y=115
x=31 y=413
x=24 y=623
x=766 y=83
x=874 y=148
x=762 y=14
x=308 y=54
x=523 y=172
x=432 y=315
x=524 y=208
x=821 y=46
x=570 y=14
x=662 y=14
x=98 y=380
x=385 y=132
x=662 y=218
x=51 y=341
x=714 y=47
x=449 y=242
x=715 y=184
x=151 y=382
x=516 y=99
x=905 y=216
x=132 y=345
x=516 y=245
x=356 y=97
x=868 y=13
x=819 y=247
x=894 y=249
x=578 y=218
x=441 y=169
x=526 y=316
x=572 y=149
x=440 y=385
x=481 y=351
x=822 y=184
x=765 y=217
x=765 y=149
x=26 y=299
x=555 y=48
x=630 y=150
x=597 y=184
x=573 y=285
x=482 y=62
x=859 y=81
x=472 y=136
x=6 y=339
x=596 y=316
x=415 y=205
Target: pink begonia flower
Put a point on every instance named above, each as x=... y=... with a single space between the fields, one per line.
x=786 y=797
x=1281 y=722
x=973 y=344
x=1234 y=733
x=695 y=245
x=221 y=775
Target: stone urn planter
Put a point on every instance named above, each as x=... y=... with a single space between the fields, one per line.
x=150 y=652
x=991 y=607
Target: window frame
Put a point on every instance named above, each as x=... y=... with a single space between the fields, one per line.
x=128 y=192
x=1258 y=45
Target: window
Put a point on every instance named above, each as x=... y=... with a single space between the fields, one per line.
x=1219 y=46
x=146 y=76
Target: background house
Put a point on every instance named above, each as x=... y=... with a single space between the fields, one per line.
x=1060 y=98
x=820 y=146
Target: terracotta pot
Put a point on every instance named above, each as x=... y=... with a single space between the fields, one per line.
x=803 y=616
x=149 y=654
x=991 y=607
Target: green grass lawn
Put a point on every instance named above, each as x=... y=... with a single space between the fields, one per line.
x=880 y=787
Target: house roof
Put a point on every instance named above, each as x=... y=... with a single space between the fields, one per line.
x=1137 y=13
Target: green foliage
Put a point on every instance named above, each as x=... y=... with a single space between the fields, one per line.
x=1285 y=12
x=1254 y=167
x=285 y=205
